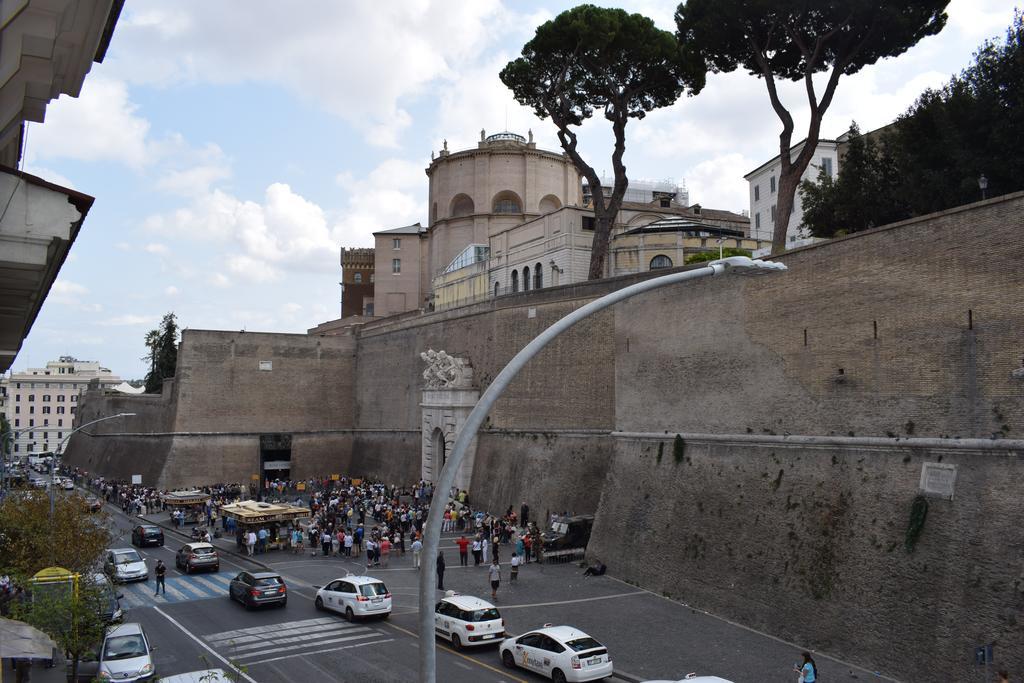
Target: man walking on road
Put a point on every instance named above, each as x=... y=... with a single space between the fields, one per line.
x=161 y=571
x=494 y=574
x=417 y=548
x=440 y=571
x=463 y=544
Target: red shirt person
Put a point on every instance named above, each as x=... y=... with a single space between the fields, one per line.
x=463 y=544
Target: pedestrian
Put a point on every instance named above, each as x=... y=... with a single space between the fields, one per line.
x=515 y=568
x=161 y=575
x=336 y=543
x=808 y=670
x=524 y=514
x=485 y=549
x=440 y=570
x=261 y=540
x=494 y=574
x=358 y=540
x=296 y=541
x=417 y=548
x=463 y=544
x=250 y=542
x=325 y=542
x=349 y=539
x=385 y=550
x=369 y=552
x=476 y=551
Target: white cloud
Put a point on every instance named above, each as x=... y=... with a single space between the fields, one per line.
x=67 y=292
x=50 y=176
x=171 y=291
x=392 y=195
x=360 y=61
x=129 y=320
x=155 y=248
x=99 y=125
x=219 y=280
x=718 y=182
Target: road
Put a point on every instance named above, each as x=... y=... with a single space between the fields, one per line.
x=195 y=625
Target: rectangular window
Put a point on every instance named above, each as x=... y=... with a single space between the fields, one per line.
x=31 y=423
x=17 y=422
x=46 y=422
x=60 y=435
x=72 y=410
x=17 y=398
x=31 y=410
x=74 y=398
x=31 y=398
x=60 y=410
x=757 y=219
x=60 y=421
x=396 y=265
x=17 y=410
x=396 y=243
x=587 y=223
x=773 y=214
x=31 y=446
x=773 y=184
x=757 y=192
x=46 y=410
x=826 y=166
x=60 y=398
x=16 y=449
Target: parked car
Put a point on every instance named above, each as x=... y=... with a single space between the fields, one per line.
x=67 y=484
x=94 y=503
x=562 y=653
x=355 y=596
x=466 y=620
x=110 y=599
x=193 y=556
x=568 y=532
x=147 y=534
x=126 y=655
x=253 y=589
x=124 y=565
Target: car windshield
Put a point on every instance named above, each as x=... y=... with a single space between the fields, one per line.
x=489 y=614
x=560 y=527
x=124 y=647
x=269 y=581
x=581 y=644
x=126 y=557
x=372 y=590
x=202 y=551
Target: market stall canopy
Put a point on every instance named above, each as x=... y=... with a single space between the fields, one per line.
x=252 y=512
x=186 y=497
x=19 y=640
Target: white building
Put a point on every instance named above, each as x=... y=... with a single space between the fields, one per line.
x=662 y=193
x=46 y=398
x=764 y=186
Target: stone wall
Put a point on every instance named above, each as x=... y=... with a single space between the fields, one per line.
x=804 y=538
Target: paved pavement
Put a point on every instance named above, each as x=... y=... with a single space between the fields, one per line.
x=196 y=626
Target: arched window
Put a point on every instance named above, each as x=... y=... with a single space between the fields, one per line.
x=526 y=279
x=497 y=288
x=661 y=261
x=549 y=203
x=357 y=278
x=507 y=201
x=538 y=277
x=462 y=205
x=515 y=281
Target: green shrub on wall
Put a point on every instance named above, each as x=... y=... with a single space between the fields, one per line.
x=678 y=446
x=918 y=514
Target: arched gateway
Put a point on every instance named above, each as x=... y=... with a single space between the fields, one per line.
x=448 y=398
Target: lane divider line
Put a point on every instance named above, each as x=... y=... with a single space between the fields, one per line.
x=502 y=672
x=231 y=667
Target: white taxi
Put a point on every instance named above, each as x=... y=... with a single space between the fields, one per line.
x=355 y=596
x=465 y=620
x=562 y=653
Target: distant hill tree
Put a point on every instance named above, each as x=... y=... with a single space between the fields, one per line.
x=591 y=59
x=704 y=256
x=794 y=40
x=163 y=353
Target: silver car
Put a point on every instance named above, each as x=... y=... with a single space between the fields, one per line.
x=126 y=655
x=124 y=565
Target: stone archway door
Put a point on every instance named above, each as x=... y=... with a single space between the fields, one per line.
x=444 y=413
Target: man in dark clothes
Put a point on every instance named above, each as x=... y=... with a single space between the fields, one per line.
x=440 y=571
x=524 y=514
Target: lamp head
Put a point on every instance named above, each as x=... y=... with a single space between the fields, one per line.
x=983 y=182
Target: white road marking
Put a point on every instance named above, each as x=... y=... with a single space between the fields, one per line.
x=372 y=634
x=223 y=635
x=203 y=645
x=305 y=639
x=333 y=649
x=340 y=626
x=208 y=583
x=569 y=602
x=169 y=587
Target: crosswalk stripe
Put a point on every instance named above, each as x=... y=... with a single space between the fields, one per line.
x=330 y=649
x=214 y=586
x=174 y=592
x=188 y=590
x=306 y=639
x=371 y=634
x=299 y=630
x=224 y=635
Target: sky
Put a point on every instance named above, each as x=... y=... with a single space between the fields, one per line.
x=233 y=153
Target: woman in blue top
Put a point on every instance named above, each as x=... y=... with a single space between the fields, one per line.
x=808 y=670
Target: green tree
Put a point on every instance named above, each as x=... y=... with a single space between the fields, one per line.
x=795 y=39
x=74 y=619
x=163 y=353
x=29 y=541
x=704 y=256
x=5 y=435
x=862 y=196
x=591 y=59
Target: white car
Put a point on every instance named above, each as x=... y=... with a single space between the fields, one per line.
x=562 y=653
x=124 y=565
x=465 y=620
x=67 y=484
x=355 y=596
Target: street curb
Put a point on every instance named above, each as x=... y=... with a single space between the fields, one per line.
x=631 y=678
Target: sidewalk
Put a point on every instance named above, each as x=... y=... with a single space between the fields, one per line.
x=222 y=544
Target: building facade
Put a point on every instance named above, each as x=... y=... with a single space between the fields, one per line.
x=47 y=399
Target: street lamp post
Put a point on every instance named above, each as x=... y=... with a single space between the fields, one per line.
x=60 y=447
x=983 y=185
x=432 y=527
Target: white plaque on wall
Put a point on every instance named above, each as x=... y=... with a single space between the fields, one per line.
x=938 y=479
x=136 y=478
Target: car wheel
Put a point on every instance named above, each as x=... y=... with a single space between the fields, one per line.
x=557 y=676
x=319 y=604
x=284 y=603
x=456 y=642
x=508 y=660
x=349 y=614
x=216 y=568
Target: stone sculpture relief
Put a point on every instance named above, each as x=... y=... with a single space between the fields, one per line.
x=445 y=371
